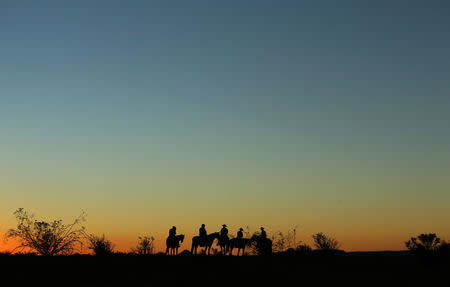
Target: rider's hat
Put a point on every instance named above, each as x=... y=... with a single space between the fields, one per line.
x=224 y=225
x=174 y=227
x=262 y=228
x=241 y=229
x=203 y=225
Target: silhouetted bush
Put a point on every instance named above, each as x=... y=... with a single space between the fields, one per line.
x=145 y=246
x=46 y=238
x=324 y=242
x=303 y=249
x=428 y=246
x=281 y=242
x=424 y=244
x=100 y=245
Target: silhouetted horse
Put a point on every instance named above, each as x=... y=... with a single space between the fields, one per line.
x=172 y=244
x=240 y=244
x=263 y=245
x=203 y=242
x=224 y=243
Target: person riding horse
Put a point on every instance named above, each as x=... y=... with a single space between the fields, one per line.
x=202 y=233
x=172 y=233
x=263 y=244
x=173 y=241
x=263 y=233
x=240 y=234
x=224 y=231
x=239 y=243
x=223 y=239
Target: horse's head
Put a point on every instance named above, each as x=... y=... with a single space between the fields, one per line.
x=254 y=238
x=181 y=238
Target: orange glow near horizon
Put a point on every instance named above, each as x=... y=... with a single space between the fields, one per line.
x=349 y=241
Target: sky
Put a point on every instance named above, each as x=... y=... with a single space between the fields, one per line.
x=324 y=116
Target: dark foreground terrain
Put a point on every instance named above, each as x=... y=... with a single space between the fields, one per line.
x=316 y=270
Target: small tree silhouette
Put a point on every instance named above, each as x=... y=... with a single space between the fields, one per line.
x=282 y=242
x=324 y=242
x=46 y=238
x=145 y=246
x=100 y=245
x=423 y=244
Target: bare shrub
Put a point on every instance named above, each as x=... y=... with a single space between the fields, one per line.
x=282 y=241
x=46 y=238
x=325 y=242
x=145 y=246
x=424 y=243
x=100 y=245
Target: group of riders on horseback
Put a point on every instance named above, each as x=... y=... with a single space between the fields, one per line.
x=205 y=240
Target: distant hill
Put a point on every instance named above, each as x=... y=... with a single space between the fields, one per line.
x=379 y=253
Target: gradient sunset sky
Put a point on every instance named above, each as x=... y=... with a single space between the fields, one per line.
x=331 y=116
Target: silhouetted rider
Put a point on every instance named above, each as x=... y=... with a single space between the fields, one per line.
x=224 y=231
x=172 y=232
x=263 y=233
x=202 y=232
x=240 y=234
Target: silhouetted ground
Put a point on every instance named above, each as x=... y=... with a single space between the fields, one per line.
x=122 y=270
